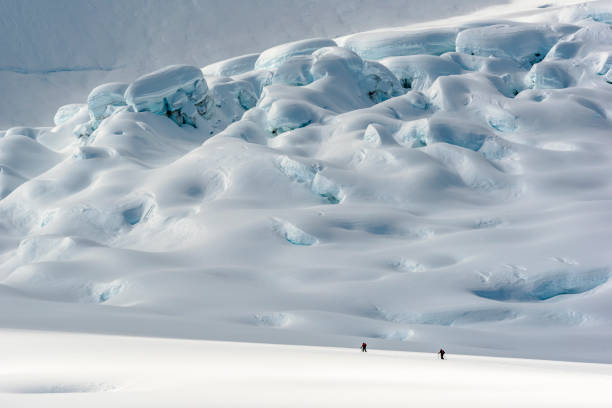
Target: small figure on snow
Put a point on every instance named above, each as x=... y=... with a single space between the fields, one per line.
x=441 y=353
x=363 y=347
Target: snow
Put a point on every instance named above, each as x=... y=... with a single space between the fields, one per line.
x=437 y=184
x=60 y=370
x=104 y=99
x=380 y=45
x=548 y=75
x=178 y=91
x=293 y=234
x=65 y=113
x=294 y=71
x=311 y=177
x=275 y=56
x=231 y=66
x=556 y=284
x=420 y=71
x=525 y=44
x=52 y=58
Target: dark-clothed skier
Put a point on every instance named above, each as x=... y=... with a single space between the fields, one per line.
x=363 y=347
x=441 y=353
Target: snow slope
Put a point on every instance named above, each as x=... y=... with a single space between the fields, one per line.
x=59 y=370
x=440 y=184
x=54 y=52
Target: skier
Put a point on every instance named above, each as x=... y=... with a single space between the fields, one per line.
x=363 y=347
x=441 y=353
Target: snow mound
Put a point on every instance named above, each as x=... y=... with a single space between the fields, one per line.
x=178 y=91
x=104 y=99
x=454 y=132
x=420 y=71
x=293 y=234
x=231 y=66
x=66 y=112
x=526 y=44
x=379 y=45
x=311 y=177
x=47 y=281
x=548 y=75
x=273 y=57
x=550 y=286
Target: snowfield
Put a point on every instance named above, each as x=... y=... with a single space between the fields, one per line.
x=442 y=184
x=60 y=370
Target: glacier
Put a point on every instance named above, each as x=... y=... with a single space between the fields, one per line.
x=440 y=182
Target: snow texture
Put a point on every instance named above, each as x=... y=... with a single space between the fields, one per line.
x=60 y=370
x=439 y=184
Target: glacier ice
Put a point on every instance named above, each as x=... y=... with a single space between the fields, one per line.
x=346 y=67
x=549 y=286
x=65 y=113
x=548 y=75
x=333 y=76
x=335 y=61
x=420 y=71
x=309 y=175
x=296 y=171
x=293 y=234
x=179 y=91
x=285 y=115
x=603 y=63
x=103 y=292
x=93 y=152
x=104 y=99
x=441 y=130
x=372 y=135
x=327 y=189
x=380 y=83
x=294 y=71
x=378 y=45
x=231 y=99
x=501 y=119
x=408 y=265
x=136 y=214
x=247 y=130
x=231 y=66
x=413 y=133
x=506 y=74
x=258 y=79
x=564 y=50
x=274 y=57
x=526 y=44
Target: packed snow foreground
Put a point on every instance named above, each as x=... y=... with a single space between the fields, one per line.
x=59 y=370
x=420 y=187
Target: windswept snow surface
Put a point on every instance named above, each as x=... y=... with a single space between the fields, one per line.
x=446 y=184
x=56 y=370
